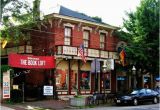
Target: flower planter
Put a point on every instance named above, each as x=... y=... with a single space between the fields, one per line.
x=78 y=101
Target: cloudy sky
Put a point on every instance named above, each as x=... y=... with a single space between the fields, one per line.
x=111 y=11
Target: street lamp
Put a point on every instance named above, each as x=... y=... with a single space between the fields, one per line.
x=134 y=74
x=104 y=70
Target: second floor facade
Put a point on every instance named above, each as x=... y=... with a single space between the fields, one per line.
x=65 y=31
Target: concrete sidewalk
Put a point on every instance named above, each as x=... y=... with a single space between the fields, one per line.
x=38 y=105
x=47 y=105
x=5 y=108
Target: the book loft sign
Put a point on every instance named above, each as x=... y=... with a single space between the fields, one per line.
x=26 y=61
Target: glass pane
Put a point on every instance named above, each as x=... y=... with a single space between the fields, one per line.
x=86 y=35
x=102 y=37
x=102 y=45
x=74 y=80
x=61 y=79
x=67 y=41
x=67 y=32
x=85 y=43
x=85 y=80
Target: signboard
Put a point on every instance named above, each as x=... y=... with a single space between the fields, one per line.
x=109 y=63
x=69 y=50
x=6 y=85
x=93 y=53
x=15 y=87
x=48 y=90
x=26 y=61
x=103 y=54
x=95 y=66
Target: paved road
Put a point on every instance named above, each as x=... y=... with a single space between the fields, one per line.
x=140 y=107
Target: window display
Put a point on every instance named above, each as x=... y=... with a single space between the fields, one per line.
x=107 y=80
x=61 y=79
x=85 y=80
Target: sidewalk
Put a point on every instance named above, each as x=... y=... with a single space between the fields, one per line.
x=5 y=108
x=38 y=105
x=47 y=105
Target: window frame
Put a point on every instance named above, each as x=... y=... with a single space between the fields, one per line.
x=102 y=42
x=86 y=41
x=67 y=38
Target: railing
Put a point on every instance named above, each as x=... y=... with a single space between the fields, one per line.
x=73 y=51
x=19 y=49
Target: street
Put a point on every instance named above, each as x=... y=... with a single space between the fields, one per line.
x=147 y=106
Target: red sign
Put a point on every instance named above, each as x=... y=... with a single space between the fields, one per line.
x=26 y=61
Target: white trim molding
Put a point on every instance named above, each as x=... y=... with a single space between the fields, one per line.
x=87 y=28
x=59 y=22
x=50 y=22
x=111 y=33
x=96 y=29
x=103 y=31
x=68 y=25
x=84 y=21
x=79 y=26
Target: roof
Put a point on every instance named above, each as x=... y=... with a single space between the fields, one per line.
x=67 y=12
x=63 y=11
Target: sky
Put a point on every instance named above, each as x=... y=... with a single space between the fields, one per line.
x=111 y=11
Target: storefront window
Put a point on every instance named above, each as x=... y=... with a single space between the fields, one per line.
x=61 y=79
x=107 y=80
x=146 y=81
x=85 y=80
x=74 y=80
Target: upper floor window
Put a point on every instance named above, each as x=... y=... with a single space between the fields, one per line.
x=86 y=38
x=102 y=41
x=67 y=35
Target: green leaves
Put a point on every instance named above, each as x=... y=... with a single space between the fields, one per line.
x=16 y=15
x=142 y=34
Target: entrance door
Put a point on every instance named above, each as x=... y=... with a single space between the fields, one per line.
x=121 y=84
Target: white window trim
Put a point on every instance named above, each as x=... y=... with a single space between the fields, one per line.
x=111 y=33
x=68 y=25
x=103 y=31
x=87 y=28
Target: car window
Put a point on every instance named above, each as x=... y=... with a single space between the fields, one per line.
x=142 y=91
x=148 y=91
x=134 y=92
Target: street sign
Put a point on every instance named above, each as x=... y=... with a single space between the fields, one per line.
x=48 y=90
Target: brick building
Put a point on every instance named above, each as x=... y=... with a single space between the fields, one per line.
x=60 y=36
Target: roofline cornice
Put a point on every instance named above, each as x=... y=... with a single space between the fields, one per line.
x=83 y=21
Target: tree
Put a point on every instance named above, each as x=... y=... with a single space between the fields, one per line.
x=14 y=16
x=142 y=35
x=13 y=10
x=97 y=18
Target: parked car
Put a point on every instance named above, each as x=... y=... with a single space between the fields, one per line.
x=157 y=89
x=137 y=96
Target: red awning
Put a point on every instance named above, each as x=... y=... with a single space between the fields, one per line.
x=26 y=61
